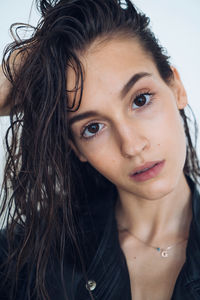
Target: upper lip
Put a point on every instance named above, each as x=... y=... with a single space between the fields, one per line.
x=146 y=165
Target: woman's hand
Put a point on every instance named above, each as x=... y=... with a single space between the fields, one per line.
x=5 y=87
x=15 y=62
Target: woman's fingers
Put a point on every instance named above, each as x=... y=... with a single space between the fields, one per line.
x=5 y=87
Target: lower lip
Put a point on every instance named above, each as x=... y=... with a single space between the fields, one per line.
x=153 y=172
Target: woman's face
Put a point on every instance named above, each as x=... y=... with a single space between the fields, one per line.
x=129 y=116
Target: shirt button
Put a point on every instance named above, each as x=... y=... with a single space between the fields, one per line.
x=91 y=285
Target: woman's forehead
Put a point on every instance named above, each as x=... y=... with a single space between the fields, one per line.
x=109 y=67
x=118 y=55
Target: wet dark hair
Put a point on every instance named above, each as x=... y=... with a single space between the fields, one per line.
x=42 y=174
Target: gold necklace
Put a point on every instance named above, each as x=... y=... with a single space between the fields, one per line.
x=163 y=251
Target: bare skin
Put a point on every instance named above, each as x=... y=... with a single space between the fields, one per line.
x=151 y=275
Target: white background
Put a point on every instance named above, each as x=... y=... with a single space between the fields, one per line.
x=175 y=22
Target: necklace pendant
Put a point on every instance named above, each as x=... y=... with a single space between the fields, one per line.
x=164 y=253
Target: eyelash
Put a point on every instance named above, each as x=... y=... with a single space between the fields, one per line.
x=137 y=96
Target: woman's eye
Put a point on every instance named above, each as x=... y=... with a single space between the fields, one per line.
x=141 y=100
x=92 y=130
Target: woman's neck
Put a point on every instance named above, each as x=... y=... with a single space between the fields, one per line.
x=166 y=219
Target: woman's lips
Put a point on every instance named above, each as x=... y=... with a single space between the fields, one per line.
x=152 y=172
x=147 y=165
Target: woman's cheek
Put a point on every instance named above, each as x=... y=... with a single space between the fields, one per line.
x=97 y=146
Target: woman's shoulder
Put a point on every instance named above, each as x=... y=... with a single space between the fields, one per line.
x=95 y=224
x=27 y=276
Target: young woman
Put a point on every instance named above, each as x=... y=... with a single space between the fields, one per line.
x=101 y=181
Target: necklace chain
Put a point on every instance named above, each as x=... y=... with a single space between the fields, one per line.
x=163 y=251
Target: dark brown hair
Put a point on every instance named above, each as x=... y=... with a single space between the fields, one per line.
x=42 y=174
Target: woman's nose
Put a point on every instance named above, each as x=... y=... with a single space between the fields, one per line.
x=132 y=141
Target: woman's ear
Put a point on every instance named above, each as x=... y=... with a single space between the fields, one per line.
x=77 y=152
x=179 y=90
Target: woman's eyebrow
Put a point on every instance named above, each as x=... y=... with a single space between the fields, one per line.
x=131 y=82
x=85 y=115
